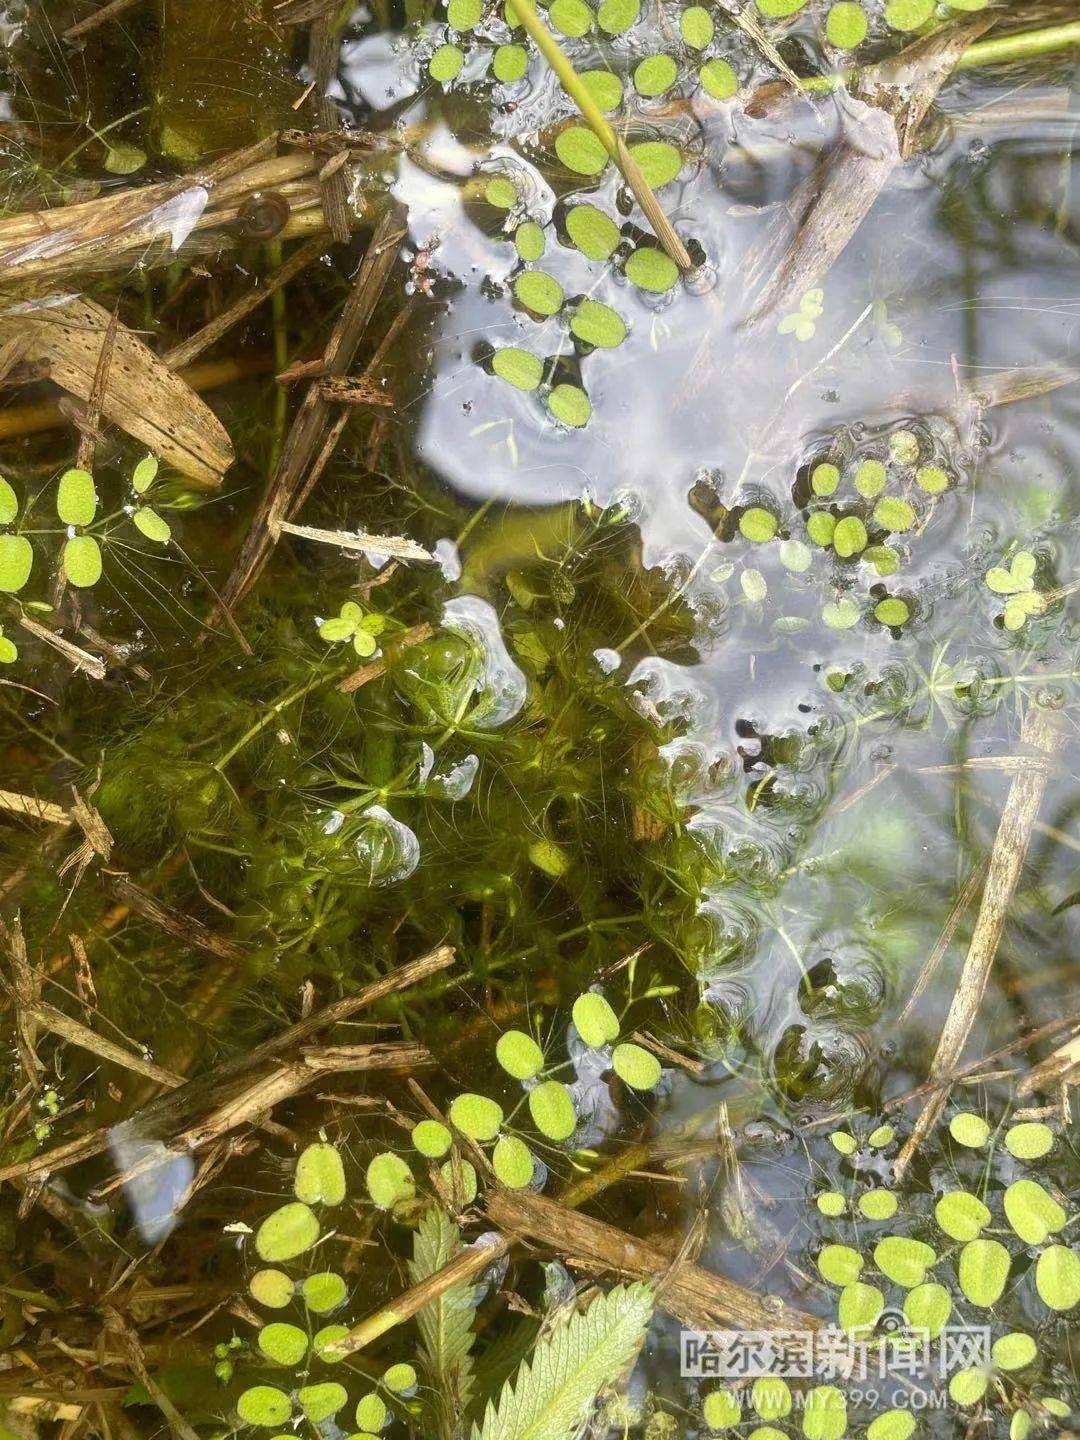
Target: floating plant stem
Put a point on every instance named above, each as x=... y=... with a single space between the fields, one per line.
x=1023 y=45
x=572 y=83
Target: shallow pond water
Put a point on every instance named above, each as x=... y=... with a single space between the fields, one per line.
x=713 y=703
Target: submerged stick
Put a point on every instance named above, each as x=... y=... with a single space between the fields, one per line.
x=1041 y=732
x=575 y=87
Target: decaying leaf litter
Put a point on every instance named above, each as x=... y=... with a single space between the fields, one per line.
x=428 y=769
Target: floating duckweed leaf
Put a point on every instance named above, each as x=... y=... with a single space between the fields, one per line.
x=758 y=524
x=884 y=559
x=846 y=25
x=264 y=1405
x=539 y=292
x=904 y=1261
x=320 y=1176
x=323 y=1291
x=825 y=478
x=795 y=556
x=572 y=18
x=1014 y=1351
x=604 y=87
x=323 y=1341
x=905 y=15
x=961 y=1215
x=928 y=1307
x=849 y=537
x=509 y=64
x=766 y=1432
x=476 y=1116
x=432 y=1139
x=904 y=444
x=76 y=498
x=124 y=159
x=288 y=1232
x=9 y=502
x=983 y=1271
x=718 y=79
x=754 y=585
x=144 y=474
x=518 y=367
x=1054 y=1407
x=894 y=514
x=932 y=479
x=570 y=404
x=445 y=65
x=271 y=1288
x=841 y=614
x=967 y=1387
x=1018 y=578
x=824 y=1415
x=580 y=150
x=389 y=1180
x=831 y=1203
x=820 y=527
x=654 y=75
x=552 y=1110
x=319 y=1402
x=892 y=611
x=1031 y=1212
x=593 y=232
x=840 y=1265
x=519 y=1054
x=771 y=1397
x=1020 y=1426
x=843 y=1142
x=1019 y=607
x=547 y=856
x=616 y=16
x=969 y=1129
x=696 y=27
x=463 y=14
x=529 y=241
x=9 y=651
x=882 y=1136
x=658 y=161
x=878 y=1204
x=149 y=523
x=892 y=1425
x=721 y=1410
x=501 y=192
x=16 y=562
x=650 y=269
x=460 y=1180
x=859 y=1307
x=371 y=1413
x=513 y=1162
x=599 y=325
x=400 y=1379
x=870 y=478
x=778 y=9
x=1030 y=1140
x=1057 y=1277
x=284 y=1344
x=595 y=1020
x=635 y=1066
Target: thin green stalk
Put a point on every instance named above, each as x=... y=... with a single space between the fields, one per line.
x=578 y=91
x=1022 y=45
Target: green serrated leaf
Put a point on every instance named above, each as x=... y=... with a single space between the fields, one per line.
x=552 y=1394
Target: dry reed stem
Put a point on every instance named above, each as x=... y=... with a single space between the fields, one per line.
x=1042 y=733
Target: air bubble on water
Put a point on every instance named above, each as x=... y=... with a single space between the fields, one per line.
x=387 y=850
x=455 y=783
x=608 y=660
x=449 y=559
x=333 y=822
x=501 y=687
x=427 y=761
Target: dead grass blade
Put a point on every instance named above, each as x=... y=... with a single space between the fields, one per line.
x=183 y=927
x=33 y=808
x=852 y=179
x=100 y=16
x=1042 y=733
x=140 y=393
